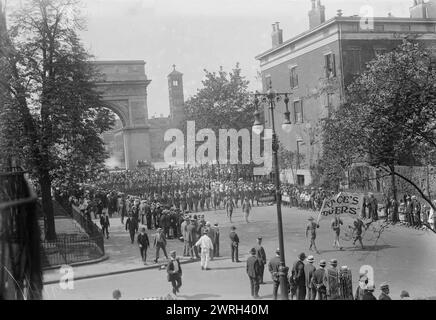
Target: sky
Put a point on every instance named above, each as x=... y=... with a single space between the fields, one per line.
x=201 y=34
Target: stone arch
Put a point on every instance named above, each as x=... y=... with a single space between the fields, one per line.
x=123 y=86
x=119 y=111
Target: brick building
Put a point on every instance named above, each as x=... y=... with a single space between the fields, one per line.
x=317 y=65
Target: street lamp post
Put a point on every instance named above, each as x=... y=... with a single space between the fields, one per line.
x=271 y=98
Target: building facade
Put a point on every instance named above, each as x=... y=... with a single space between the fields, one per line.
x=317 y=66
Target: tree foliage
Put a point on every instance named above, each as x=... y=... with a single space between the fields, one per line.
x=58 y=114
x=389 y=117
x=222 y=103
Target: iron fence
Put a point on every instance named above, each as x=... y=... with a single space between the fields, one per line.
x=71 y=248
x=20 y=268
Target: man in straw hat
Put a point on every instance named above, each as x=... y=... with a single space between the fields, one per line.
x=384 y=287
x=309 y=270
x=319 y=281
x=311 y=228
x=333 y=284
x=254 y=273
x=205 y=243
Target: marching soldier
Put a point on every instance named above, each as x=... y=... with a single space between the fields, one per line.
x=229 y=207
x=336 y=227
x=358 y=229
x=311 y=228
x=246 y=208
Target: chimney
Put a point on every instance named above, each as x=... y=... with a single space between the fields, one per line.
x=423 y=10
x=277 y=35
x=316 y=14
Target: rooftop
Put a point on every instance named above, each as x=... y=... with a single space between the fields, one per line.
x=338 y=19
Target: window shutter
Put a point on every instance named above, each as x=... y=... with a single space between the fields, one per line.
x=334 y=64
x=301 y=110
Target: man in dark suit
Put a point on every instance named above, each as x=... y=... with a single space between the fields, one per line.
x=261 y=256
x=319 y=281
x=216 y=244
x=160 y=242
x=212 y=235
x=298 y=278
x=368 y=293
x=174 y=270
x=253 y=271
x=234 y=244
x=143 y=243
x=191 y=231
x=131 y=226
x=105 y=224
x=274 y=267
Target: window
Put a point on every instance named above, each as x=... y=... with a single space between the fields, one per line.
x=268 y=82
x=353 y=58
x=294 y=77
x=330 y=65
x=298 y=111
x=378 y=27
x=175 y=83
x=300 y=180
x=405 y=27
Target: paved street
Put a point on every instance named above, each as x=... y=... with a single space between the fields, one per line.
x=403 y=257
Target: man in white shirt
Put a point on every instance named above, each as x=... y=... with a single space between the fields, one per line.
x=205 y=243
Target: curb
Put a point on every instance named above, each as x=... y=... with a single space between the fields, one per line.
x=99 y=275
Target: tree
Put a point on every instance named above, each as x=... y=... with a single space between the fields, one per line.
x=389 y=117
x=59 y=115
x=222 y=103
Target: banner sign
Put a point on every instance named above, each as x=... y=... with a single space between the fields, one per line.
x=344 y=203
x=286 y=198
x=267 y=197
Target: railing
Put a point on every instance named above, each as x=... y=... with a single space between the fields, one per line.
x=20 y=265
x=69 y=249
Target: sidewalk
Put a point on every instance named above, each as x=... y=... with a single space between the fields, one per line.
x=121 y=256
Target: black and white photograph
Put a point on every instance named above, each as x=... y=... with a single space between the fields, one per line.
x=236 y=151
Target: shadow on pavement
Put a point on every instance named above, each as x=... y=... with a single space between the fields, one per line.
x=229 y=268
x=201 y=296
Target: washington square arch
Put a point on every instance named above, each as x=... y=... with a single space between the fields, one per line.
x=123 y=86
